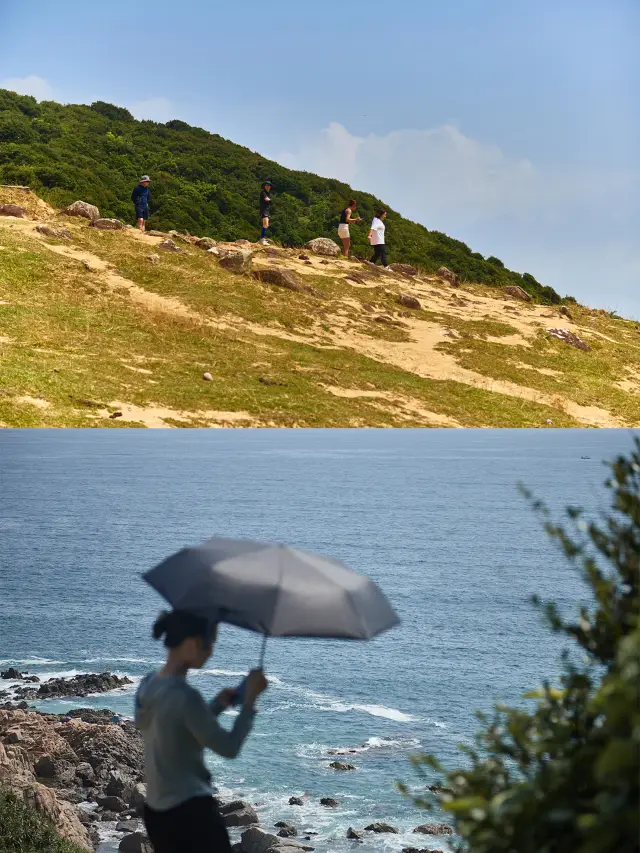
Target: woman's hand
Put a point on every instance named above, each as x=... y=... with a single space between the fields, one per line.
x=256 y=684
x=224 y=699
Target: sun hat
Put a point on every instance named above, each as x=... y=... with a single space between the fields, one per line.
x=144 y=178
x=267 y=183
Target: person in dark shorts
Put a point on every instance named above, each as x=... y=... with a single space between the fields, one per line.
x=377 y=238
x=265 y=207
x=177 y=724
x=141 y=197
x=346 y=219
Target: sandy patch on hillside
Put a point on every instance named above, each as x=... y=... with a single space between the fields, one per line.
x=36 y=207
x=38 y=402
x=157 y=416
x=545 y=371
x=405 y=407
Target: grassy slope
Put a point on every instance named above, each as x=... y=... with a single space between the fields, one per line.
x=23 y=830
x=79 y=346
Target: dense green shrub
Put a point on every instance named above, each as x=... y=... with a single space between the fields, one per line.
x=23 y=830
x=565 y=776
x=205 y=184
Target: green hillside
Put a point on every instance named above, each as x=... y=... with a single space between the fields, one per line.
x=204 y=184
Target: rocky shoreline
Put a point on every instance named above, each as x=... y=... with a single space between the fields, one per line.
x=83 y=769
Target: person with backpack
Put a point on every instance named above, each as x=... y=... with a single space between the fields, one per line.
x=346 y=219
x=177 y=725
x=265 y=208
x=141 y=197
x=377 y=238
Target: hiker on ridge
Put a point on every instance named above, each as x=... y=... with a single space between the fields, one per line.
x=265 y=202
x=177 y=724
x=346 y=218
x=140 y=197
x=376 y=238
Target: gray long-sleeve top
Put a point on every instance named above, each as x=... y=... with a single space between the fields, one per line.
x=177 y=725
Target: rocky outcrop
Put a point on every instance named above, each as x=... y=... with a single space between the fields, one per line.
x=82 y=208
x=381 y=828
x=237 y=260
x=135 y=842
x=404 y=269
x=79 y=685
x=295 y=801
x=51 y=231
x=280 y=278
x=169 y=246
x=206 y=243
x=107 y=224
x=11 y=674
x=409 y=301
x=570 y=338
x=329 y=802
x=14 y=210
x=354 y=834
x=434 y=829
x=518 y=293
x=256 y=840
x=341 y=765
x=238 y=813
x=324 y=246
x=448 y=275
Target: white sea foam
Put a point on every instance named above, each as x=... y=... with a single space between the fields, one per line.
x=28 y=662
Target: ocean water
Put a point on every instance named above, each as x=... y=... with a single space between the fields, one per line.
x=434 y=516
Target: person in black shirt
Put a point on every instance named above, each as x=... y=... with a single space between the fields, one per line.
x=141 y=197
x=265 y=202
x=346 y=218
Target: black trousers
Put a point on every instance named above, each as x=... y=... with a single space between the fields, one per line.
x=380 y=253
x=193 y=827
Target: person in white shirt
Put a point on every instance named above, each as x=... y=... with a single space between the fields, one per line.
x=376 y=238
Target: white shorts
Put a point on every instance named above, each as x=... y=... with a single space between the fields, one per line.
x=343 y=230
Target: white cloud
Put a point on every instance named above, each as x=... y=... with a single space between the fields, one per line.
x=31 y=85
x=559 y=225
x=155 y=109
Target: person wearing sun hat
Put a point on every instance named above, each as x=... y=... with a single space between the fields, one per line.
x=140 y=197
x=265 y=202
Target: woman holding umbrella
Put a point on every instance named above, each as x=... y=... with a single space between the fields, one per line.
x=177 y=725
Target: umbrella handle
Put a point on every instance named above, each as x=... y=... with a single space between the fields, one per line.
x=262 y=652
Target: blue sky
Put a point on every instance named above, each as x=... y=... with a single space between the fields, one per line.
x=509 y=124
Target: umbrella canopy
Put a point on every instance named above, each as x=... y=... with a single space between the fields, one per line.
x=273 y=589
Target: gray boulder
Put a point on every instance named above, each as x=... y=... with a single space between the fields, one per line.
x=409 y=301
x=14 y=210
x=128 y=825
x=287 y=831
x=382 y=827
x=82 y=208
x=112 y=804
x=405 y=269
x=256 y=840
x=434 y=829
x=86 y=773
x=329 y=802
x=206 y=243
x=239 y=814
x=169 y=246
x=280 y=278
x=45 y=767
x=50 y=231
x=107 y=224
x=324 y=246
x=135 y=842
x=137 y=796
x=354 y=834
x=448 y=275
x=518 y=293
x=295 y=801
x=237 y=260
x=341 y=765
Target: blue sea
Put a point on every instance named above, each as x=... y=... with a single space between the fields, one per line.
x=434 y=516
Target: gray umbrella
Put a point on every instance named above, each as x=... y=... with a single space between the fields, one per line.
x=274 y=590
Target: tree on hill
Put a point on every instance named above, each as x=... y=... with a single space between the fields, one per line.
x=204 y=184
x=565 y=776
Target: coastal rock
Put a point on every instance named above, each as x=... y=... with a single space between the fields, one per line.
x=14 y=210
x=62 y=815
x=79 y=685
x=570 y=338
x=11 y=674
x=85 y=772
x=82 y=208
x=107 y=224
x=135 y=842
x=434 y=829
x=324 y=246
x=419 y=850
x=256 y=840
x=169 y=246
x=287 y=831
x=354 y=834
x=14 y=736
x=118 y=784
x=280 y=278
x=45 y=768
x=132 y=825
x=382 y=827
x=341 y=765
x=295 y=801
x=329 y=802
x=405 y=269
x=206 y=243
x=239 y=814
x=448 y=275
x=138 y=796
x=409 y=301
x=518 y=293
x=235 y=260
x=112 y=804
